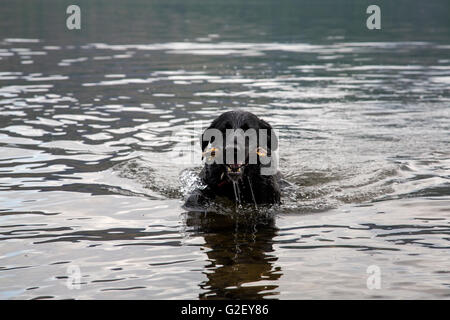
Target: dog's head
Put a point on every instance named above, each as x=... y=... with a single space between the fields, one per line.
x=238 y=142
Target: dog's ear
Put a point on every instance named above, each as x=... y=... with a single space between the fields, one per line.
x=214 y=125
x=272 y=139
x=204 y=143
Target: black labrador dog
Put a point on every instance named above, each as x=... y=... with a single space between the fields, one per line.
x=239 y=149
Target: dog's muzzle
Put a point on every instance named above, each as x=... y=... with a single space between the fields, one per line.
x=235 y=161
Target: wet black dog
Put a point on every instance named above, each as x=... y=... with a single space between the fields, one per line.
x=239 y=149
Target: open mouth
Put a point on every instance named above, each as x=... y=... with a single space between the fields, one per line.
x=235 y=171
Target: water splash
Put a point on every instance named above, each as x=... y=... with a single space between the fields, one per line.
x=253 y=195
x=237 y=192
x=189 y=181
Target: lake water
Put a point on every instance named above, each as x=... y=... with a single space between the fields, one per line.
x=99 y=133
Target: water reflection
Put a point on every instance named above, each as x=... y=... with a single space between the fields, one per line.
x=241 y=257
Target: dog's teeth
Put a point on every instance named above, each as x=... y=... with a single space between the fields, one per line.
x=229 y=169
x=239 y=170
x=221 y=176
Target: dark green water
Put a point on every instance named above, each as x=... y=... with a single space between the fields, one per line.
x=99 y=143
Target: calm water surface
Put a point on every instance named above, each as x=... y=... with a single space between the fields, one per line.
x=99 y=145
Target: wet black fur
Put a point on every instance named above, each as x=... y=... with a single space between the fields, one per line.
x=266 y=188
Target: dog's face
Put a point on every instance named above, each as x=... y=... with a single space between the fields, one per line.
x=239 y=143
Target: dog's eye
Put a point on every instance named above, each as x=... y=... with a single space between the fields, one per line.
x=211 y=153
x=261 y=152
